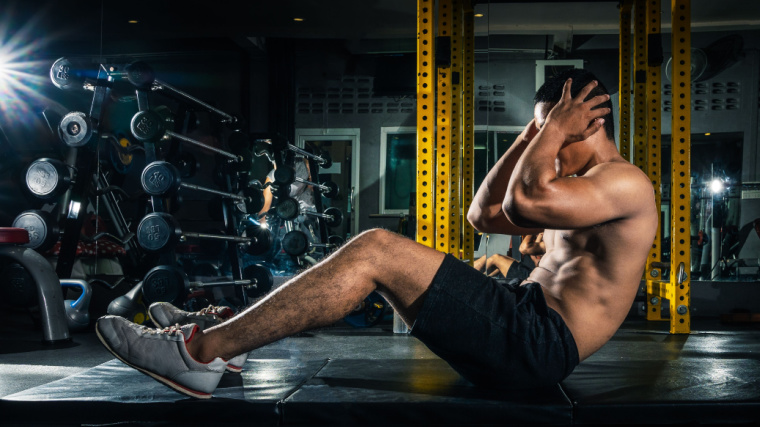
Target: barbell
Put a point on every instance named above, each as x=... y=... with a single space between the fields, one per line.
x=160 y=232
x=296 y=243
x=289 y=209
x=161 y=178
x=285 y=176
x=169 y=283
x=150 y=126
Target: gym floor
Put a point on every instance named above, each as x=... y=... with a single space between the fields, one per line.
x=348 y=376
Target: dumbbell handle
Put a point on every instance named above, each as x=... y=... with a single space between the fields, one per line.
x=224 y=283
x=158 y=85
x=204 y=146
x=239 y=239
x=212 y=191
x=322 y=188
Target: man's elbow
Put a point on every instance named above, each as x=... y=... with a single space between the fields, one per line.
x=476 y=219
x=516 y=212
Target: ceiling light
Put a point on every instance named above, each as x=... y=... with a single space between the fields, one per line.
x=298 y=19
x=478 y=15
x=133 y=21
x=707 y=134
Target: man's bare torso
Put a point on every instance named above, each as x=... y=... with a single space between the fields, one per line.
x=590 y=276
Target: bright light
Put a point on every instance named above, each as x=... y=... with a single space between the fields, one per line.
x=133 y=21
x=298 y=19
x=478 y=15
x=716 y=186
x=21 y=75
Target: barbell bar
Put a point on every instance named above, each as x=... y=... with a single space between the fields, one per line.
x=161 y=178
x=160 y=232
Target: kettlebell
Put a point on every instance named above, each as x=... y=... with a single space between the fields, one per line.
x=130 y=306
x=77 y=311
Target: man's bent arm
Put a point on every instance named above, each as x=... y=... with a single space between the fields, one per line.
x=538 y=197
x=486 y=213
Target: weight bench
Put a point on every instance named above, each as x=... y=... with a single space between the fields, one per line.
x=50 y=297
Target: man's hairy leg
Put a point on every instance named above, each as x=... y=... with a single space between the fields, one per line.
x=398 y=268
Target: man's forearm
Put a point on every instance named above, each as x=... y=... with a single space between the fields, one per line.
x=485 y=212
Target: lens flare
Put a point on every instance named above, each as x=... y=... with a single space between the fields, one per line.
x=22 y=73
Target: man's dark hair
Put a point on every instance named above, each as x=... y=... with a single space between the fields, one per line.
x=551 y=92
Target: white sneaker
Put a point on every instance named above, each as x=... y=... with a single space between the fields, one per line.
x=164 y=314
x=161 y=354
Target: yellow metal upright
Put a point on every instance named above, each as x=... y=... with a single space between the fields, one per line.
x=425 y=216
x=653 y=117
x=444 y=114
x=455 y=146
x=468 y=130
x=639 y=84
x=624 y=86
x=678 y=292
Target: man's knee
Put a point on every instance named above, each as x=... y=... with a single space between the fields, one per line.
x=376 y=238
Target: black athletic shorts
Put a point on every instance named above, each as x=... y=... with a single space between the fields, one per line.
x=493 y=333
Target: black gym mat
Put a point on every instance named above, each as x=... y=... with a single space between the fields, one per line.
x=414 y=392
x=115 y=393
x=702 y=378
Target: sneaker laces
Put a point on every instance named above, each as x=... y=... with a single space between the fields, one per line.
x=210 y=310
x=169 y=330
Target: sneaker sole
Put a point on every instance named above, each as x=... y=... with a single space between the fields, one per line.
x=163 y=380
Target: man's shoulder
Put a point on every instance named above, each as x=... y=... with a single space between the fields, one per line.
x=619 y=171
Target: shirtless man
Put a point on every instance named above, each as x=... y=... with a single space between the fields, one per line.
x=599 y=227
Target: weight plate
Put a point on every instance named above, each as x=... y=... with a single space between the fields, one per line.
x=287 y=209
x=157 y=232
x=43 y=234
x=261 y=280
x=65 y=76
x=333 y=189
x=337 y=217
x=254 y=202
x=75 y=129
x=140 y=74
x=165 y=283
x=263 y=242
x=147 y=126
x=295 y=243
x=284 y=176
x=328 y=160
x=160 y=178
x=47 y=178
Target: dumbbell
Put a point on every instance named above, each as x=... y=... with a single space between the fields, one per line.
x=285 y=176
x=75 y=129
x=161 y=178
x=288 y=209
x=150 y=126
x=43 y=230
x=67 y=74
x=48 y=178
x=278 y=143
x=170 y=284
x=296 y=243
x=160 y=232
